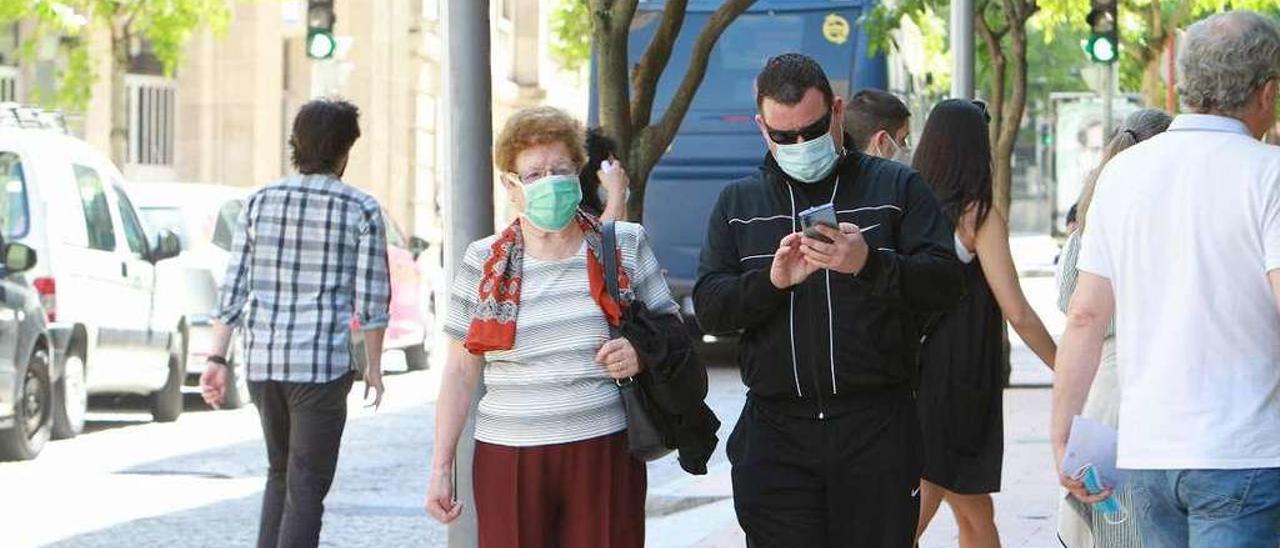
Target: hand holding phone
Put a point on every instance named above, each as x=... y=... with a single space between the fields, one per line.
x=824 y=214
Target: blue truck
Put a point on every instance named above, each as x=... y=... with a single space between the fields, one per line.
x=718 y=141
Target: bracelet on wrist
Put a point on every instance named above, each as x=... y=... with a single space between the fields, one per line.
x=216 y=359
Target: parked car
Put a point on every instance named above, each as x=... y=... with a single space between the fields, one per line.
x=204 y=218
x=26 y=393
x=411 y=310
x=96 y=277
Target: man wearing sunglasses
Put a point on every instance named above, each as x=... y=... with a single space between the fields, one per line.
x=826 y=452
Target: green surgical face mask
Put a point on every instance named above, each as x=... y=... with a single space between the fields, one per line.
x=551 y=202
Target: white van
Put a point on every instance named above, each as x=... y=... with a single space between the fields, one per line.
x=204 y=218
x=96 y=273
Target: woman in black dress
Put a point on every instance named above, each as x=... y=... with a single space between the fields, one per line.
x=961 y=373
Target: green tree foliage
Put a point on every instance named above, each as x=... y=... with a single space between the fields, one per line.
x=166 y=25
x=1004 y=34
x=571 y=34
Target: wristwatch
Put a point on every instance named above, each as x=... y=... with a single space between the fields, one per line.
x=216 y=359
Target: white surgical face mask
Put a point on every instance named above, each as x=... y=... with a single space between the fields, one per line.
x=810 y=161
x=900 y=154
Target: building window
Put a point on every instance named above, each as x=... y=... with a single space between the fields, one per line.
x=151 y=105
x=8 y=84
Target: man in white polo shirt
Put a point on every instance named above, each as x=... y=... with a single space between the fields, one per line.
x=1183 y=247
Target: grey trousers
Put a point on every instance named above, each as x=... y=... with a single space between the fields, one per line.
x=302 y=424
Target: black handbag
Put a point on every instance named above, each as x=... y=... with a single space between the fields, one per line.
x=644 y=438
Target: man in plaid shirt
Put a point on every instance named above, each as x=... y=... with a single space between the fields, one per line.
x=309 y=254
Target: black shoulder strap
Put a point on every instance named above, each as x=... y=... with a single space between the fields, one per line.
x=609 y=259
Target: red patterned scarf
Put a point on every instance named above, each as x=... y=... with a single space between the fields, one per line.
x=493 y=326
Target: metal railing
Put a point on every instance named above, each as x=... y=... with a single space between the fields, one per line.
x=151 y=103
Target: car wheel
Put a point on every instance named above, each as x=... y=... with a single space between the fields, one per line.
x=70 y=399
x=166 y=403
x=32 y=412
x=416 y=357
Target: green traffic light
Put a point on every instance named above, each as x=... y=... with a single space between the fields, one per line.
x=320 y=44
x=1101 y=49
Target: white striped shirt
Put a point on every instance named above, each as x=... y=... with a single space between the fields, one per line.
x=549 y=389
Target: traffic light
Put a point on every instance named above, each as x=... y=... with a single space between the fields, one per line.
x=320 y=19
x=1104 y=38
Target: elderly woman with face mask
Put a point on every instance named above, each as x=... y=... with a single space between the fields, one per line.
x=530 y=308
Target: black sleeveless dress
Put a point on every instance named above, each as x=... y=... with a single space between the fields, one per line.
x=961 y=390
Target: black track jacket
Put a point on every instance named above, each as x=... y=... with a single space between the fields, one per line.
x=812 y=348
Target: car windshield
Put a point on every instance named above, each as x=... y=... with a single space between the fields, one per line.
x=225 y=224
x=166 y=218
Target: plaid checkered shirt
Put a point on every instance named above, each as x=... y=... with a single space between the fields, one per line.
x=309 y=254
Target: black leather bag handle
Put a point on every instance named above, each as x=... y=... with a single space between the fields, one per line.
x=609 y=259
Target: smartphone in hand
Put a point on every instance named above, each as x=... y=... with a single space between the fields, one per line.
x=824 y=214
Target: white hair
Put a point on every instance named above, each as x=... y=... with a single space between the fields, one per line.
x=1225 y=58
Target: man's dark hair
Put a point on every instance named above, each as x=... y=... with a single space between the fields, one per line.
x=871 y=111
x=323 y=132
x=787 y=77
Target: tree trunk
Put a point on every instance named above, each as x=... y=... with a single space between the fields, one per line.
x=611 y=22
x=1011 y=121
x=992 y=39
x=119 y=97
x=640 y=161
x=635 y=206
x=641 y=141
x=999 y=71
x=1152 y=83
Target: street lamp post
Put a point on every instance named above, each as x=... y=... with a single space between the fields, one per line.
x=469 y=188
x=962 y=49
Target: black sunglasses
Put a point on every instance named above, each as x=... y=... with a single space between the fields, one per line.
x=809 y=132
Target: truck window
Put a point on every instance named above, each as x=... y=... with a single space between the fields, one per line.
x=97 y=213
x=133 y=232
x=16 y=221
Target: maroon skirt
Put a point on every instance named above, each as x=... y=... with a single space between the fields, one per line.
x=584 y=494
